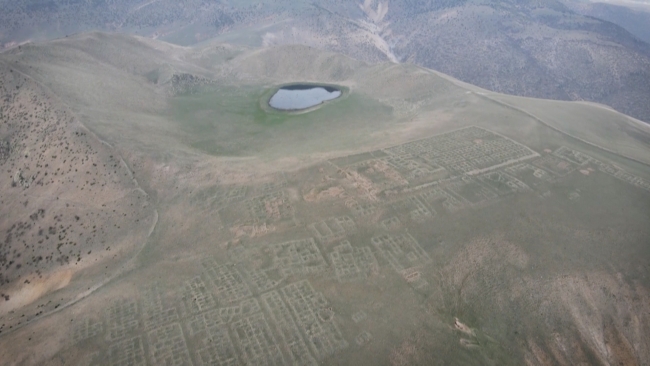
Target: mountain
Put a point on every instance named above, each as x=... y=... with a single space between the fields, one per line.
x=633 y=16
x=546 y=49
x=537 y=49
x=155 y=209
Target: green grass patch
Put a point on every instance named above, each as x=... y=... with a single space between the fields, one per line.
x=237 y=121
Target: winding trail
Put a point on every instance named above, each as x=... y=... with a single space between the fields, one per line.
x=556 y=129
x=485 y=95
x=130 y=263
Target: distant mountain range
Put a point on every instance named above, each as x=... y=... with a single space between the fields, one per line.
x=633 y=16
x=568 y=50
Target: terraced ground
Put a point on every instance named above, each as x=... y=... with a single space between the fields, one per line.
x=155 y=211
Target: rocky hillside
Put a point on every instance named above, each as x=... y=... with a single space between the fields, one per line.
x=527 y=49
x=68 y=202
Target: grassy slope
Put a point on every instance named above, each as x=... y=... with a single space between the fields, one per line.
x=103 y=80
x=106 y=85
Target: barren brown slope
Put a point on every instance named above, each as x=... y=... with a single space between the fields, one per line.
x=72 y=213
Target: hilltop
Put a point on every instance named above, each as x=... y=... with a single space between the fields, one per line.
x=150 y=197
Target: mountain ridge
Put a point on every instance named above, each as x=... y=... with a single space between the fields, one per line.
x=541 y=49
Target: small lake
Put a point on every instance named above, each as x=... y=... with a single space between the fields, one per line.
x=296 y=97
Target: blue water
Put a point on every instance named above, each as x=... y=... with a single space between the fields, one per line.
x=295 y=97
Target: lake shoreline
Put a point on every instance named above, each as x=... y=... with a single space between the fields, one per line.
x=300 y=97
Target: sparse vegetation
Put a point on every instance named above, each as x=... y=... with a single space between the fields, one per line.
x=414 y=220
x=43 y=152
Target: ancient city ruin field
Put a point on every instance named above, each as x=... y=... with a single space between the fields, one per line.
x=154 y=213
